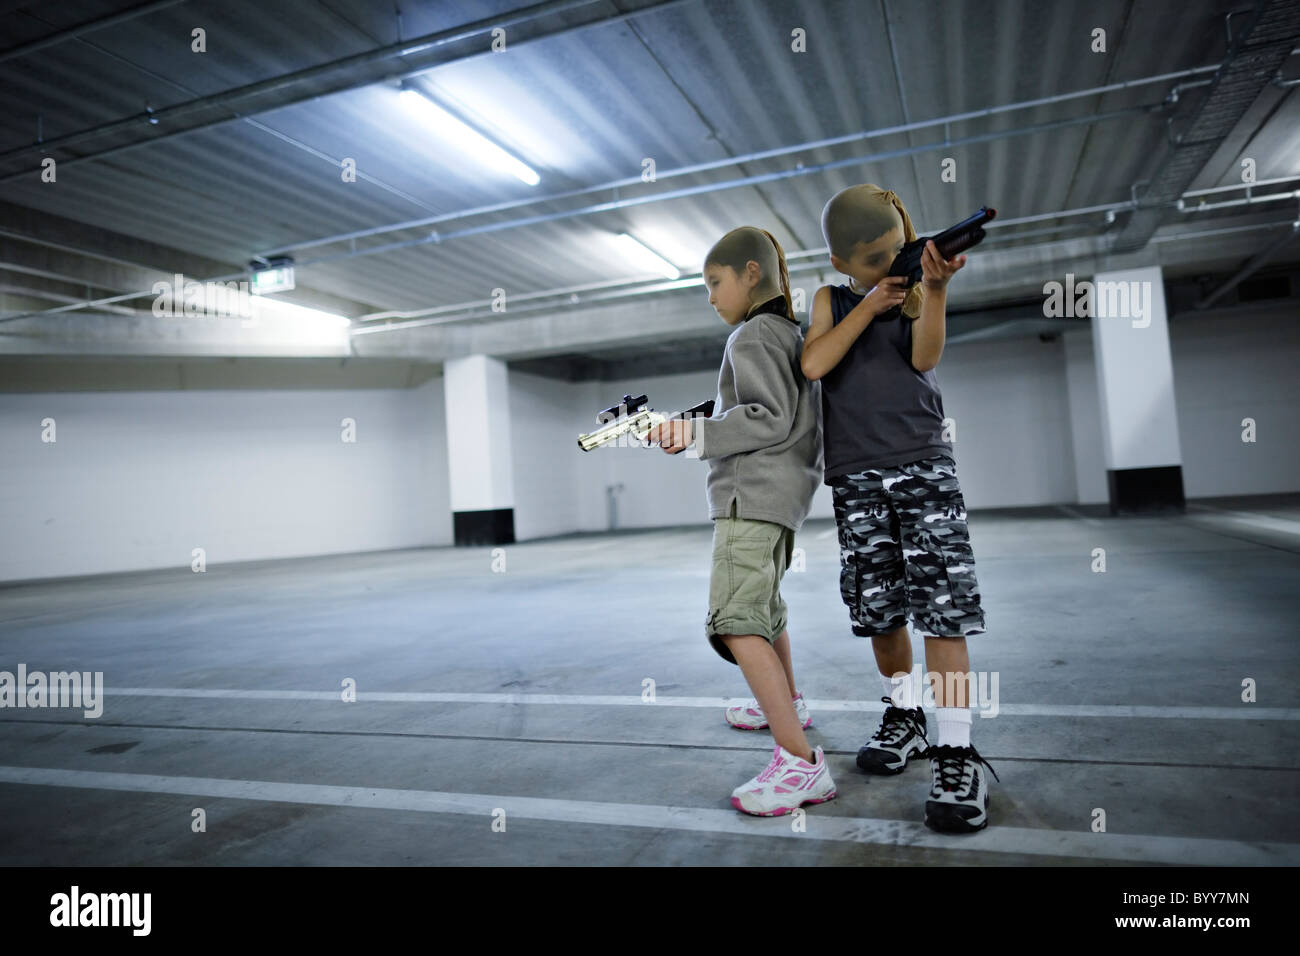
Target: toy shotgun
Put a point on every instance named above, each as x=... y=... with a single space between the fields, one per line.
x=633 y=416
x=959 y=238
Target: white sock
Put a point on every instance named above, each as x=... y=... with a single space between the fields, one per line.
x=954 y=726
x=901 y=690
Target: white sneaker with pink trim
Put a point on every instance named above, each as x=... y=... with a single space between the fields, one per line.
x=749 y=716
x=788 y=783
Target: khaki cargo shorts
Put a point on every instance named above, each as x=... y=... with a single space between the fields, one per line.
x=749 y=560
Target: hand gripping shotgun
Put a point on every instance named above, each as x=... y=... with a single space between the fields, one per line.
x=951 y=241
x=632 y=415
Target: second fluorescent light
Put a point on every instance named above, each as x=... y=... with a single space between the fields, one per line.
x=451 y=129
x=645 y=257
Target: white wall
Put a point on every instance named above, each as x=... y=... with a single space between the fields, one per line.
x=1028 y=427
x=658 y=489
x=559 y=488
x=545 y=421
x=1225 y=371
x=137 y=480
x=1009 y=401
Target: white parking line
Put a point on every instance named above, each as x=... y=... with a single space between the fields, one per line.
x=820 y=826
x=1241 y=712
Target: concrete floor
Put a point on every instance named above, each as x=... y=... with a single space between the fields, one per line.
x=588 y=773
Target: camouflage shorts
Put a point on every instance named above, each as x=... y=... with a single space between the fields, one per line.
x=904 y=547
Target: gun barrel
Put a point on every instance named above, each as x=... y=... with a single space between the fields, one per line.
x=965 y=234
x=638 y=422
x=951 y=241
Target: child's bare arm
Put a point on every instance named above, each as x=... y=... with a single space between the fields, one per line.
x=825 y=344
x=929 y=329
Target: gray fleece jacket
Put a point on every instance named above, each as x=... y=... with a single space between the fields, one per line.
x=763 y=442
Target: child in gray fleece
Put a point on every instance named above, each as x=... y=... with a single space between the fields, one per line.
x=764 y=449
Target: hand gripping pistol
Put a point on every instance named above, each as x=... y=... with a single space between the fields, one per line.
x=633 y=416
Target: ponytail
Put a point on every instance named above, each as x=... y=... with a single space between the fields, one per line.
x=785 y=275
x=913 y=300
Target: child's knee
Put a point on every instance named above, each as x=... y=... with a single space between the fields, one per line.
x=891 y=637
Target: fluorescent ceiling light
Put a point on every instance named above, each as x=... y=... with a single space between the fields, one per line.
x=452 y=130
x=219 y=299
x=646 y=258
x=236 y=300
x=278 y=308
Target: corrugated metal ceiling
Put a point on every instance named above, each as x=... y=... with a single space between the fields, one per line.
x=695 y=82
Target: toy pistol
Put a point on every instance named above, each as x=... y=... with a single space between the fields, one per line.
x=958 y=238
x=633 y=416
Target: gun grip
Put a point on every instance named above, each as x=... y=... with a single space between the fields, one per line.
x=705 y=409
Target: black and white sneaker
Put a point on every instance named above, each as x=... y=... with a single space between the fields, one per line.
x=900 y=737
x=959 y=799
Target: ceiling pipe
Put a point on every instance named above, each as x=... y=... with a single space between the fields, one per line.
x=752 y=158
x=801 y=169
x=1248 y=201
x=71 y=33
x=819 y=254
x=230 y=99
x=1251 y=267
x=807 y=260
x=794 y=258
x=436 y=238
x=1257 y=52
x=656 y=286
x=483 y=308
x=30 y=293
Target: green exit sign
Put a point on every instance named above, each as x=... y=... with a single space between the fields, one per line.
x=277 y=276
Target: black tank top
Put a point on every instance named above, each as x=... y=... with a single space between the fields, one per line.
x=877 y=410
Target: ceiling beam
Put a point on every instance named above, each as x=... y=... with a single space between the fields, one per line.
x=1253 y=59
x=38 y=243
x=386 y=63
x=81 y=29
x=679 y=317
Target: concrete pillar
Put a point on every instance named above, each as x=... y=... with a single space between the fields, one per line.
x=1085 y=423
x=1135 y=386
x=479 y=450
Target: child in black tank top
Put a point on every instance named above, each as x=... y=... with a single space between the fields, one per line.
x=904 y=545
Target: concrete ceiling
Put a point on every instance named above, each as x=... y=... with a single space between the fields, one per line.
x=243 y=159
